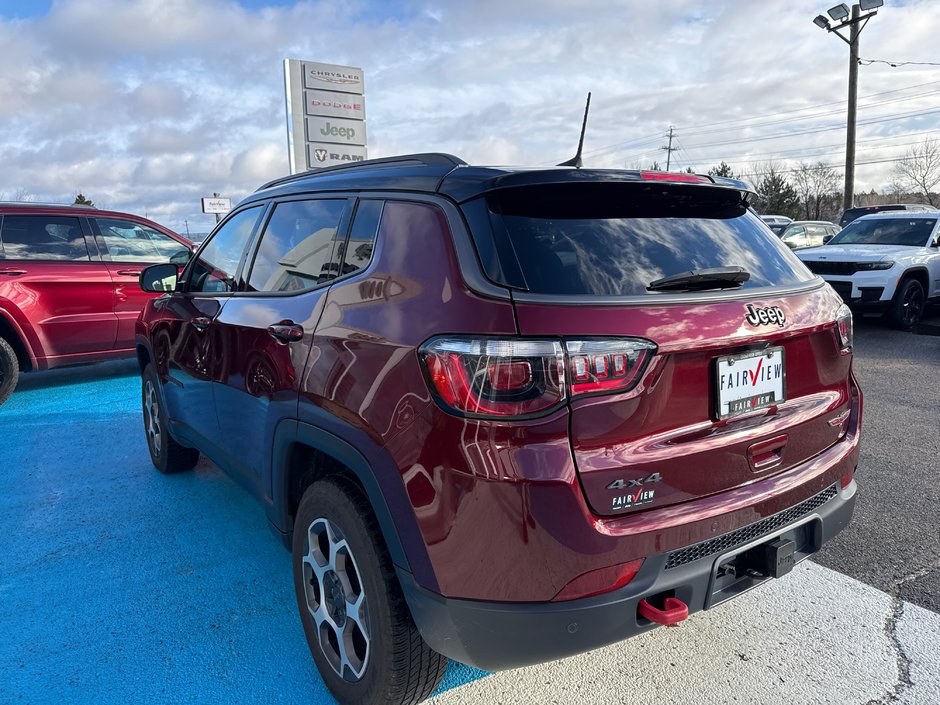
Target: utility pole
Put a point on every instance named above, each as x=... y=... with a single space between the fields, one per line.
x=856 y=23
x=669 y=149
x=848 y=199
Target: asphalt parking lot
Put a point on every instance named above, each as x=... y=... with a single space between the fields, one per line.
x=118 y=584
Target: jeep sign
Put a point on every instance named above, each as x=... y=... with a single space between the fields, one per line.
x=336 y=130
x=325 y=114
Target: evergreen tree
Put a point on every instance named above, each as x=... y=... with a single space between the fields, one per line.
x=80 y=200
x=721 y=170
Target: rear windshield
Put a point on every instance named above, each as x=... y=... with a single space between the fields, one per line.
x=914 y=232
x=853 y=213
x=615 y=239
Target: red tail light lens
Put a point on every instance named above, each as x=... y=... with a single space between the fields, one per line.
x=516 y=378
x=496 y=378
x=845 y=332
x=607 y=365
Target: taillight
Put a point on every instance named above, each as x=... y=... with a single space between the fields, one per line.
x=606 y=365
x=520 y=378
x=845 y=333
x=490 y=377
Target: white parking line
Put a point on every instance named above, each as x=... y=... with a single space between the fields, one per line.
x=814 y=637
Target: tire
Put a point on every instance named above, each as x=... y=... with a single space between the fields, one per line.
x=167 y=455
x=9 y=370
x=383 y=659
x=908 y=304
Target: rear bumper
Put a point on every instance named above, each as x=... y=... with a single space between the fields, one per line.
x=496 y=636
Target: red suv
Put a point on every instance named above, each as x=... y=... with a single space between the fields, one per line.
x=69 y=284
x=506 y=415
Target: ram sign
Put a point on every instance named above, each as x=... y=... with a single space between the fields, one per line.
x=326 y=114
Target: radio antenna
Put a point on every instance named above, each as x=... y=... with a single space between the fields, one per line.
x=576 y=160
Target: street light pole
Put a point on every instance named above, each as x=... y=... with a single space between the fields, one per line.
x=848 y=199
x=856 y=23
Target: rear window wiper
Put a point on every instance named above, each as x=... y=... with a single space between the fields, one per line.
x=700 y=279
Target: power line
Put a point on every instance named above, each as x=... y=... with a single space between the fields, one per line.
x=813 y=115
x=798 y=133
x=895 y=64
x=699 y=129
x=805 y=151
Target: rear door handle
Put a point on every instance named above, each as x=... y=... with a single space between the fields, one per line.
x=130 y=272
x=200 y=322
x=286 y=332
x=12 y=272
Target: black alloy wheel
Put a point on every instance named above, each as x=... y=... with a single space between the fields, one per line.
x=908 y=304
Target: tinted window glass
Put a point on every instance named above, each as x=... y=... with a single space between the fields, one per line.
x=296 y=250
x=615 y=239
x=217 y=264
x=886 y=231
x=127 y=241
x=357 y=250
x=44 y=237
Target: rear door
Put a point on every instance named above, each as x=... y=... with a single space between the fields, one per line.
x=741 y=383
x=127 y=247
x=51 y=272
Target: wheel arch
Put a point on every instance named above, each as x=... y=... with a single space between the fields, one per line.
x=920 y=274
x=303 y=454
x=11 y=332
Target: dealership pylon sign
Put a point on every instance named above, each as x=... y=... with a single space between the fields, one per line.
x=326 y=114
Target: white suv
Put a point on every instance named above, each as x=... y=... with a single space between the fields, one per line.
x=886 y=261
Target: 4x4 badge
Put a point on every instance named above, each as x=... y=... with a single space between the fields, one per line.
x=765 y=316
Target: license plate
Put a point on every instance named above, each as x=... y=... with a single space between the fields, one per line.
x=750 y=381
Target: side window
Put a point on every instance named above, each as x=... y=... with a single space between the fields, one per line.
x=43 y=237
x=297 y=247
x=127 y=241
x=215 y=268
x=357 y=251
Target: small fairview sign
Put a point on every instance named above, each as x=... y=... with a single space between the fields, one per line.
x=216 y=205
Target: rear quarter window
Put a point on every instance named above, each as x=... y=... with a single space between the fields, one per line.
x=615 y=239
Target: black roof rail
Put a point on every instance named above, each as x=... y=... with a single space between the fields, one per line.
x=423 y=159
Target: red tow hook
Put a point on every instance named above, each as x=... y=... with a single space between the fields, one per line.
x=674 y=611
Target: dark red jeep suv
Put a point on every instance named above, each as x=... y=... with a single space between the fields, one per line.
x=506 y=415
x=69 y=289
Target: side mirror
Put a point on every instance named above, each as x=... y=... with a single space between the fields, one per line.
x=827 y=238
x=159 y=278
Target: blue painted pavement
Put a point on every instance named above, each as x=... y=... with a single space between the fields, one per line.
x=118 y=584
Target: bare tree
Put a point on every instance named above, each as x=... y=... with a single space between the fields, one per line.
x=895 y=189
x=815 y=184
x=21 y=194
x=920 y=169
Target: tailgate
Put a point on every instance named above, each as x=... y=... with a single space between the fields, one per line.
x=663 y=442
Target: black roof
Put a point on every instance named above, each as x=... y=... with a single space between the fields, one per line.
x=453 y=177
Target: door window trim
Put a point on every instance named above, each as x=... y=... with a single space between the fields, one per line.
x=183 y=286
x=91 y=245
x=345 y=222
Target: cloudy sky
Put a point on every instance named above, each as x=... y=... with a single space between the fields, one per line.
x=148 y=105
